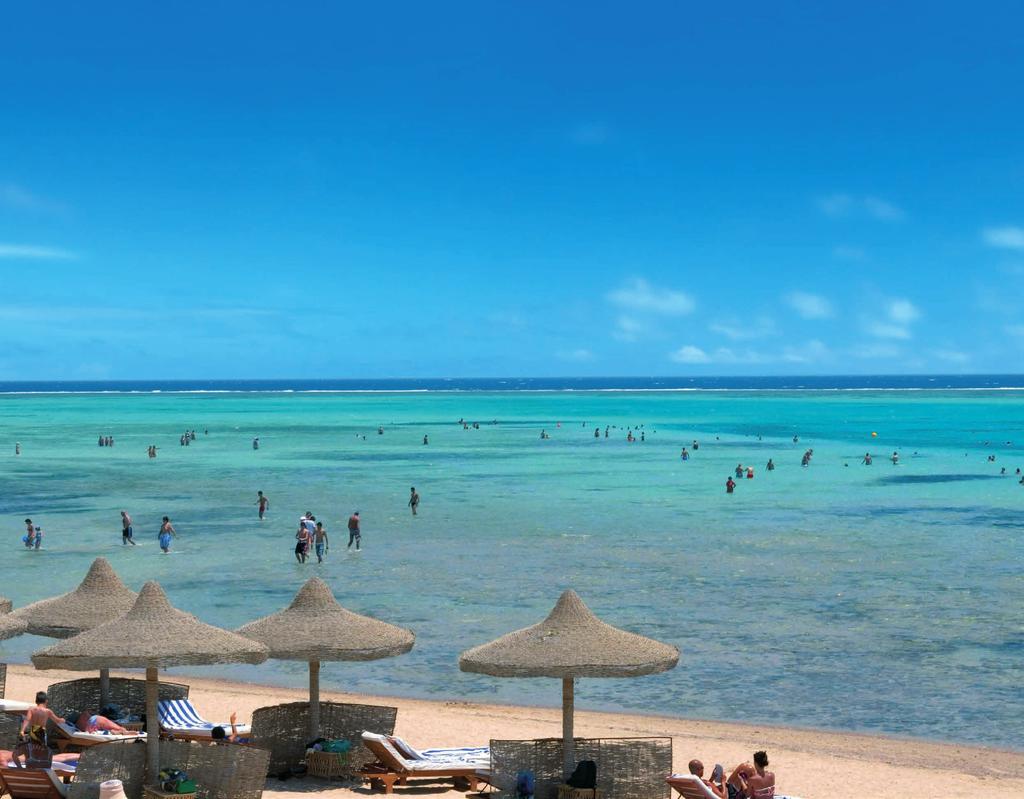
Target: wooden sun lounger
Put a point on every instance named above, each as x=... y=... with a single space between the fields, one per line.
x=64 y=735
x=690 y=787
x=392 y=768
x=31 y=783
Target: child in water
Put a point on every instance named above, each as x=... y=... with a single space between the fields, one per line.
x=166 y=534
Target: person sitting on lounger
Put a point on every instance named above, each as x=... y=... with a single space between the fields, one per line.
x=93 y=722
x=21 y=756
x=752 y=781
x=33 y=727
x=219 y=734
x=717 y=788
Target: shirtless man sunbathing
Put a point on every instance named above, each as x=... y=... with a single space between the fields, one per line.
x=718 y=789
x=93 y=722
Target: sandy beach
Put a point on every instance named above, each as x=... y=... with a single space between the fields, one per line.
x=811 y=764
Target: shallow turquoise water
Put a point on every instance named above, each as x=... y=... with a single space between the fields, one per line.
x=874 y=598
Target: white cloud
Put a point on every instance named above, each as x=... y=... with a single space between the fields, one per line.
x=811 y=352
x=809 y=306
x=628 y=329
x=899 y=315
x=689 y=354
x=734 y=330
x=951 y=356
x=34 y=252
x=580 y=355
x=884 y=210
x=640 y=296
x=886 y=330
x=1007 y=238
x=843 y=205
x=877 y=351
x=14 y=196
x=903 y=312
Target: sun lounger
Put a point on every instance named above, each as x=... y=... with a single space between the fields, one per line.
x=178 y=717
x=691 y=786
x=31 y=783
x=13 y=706
x=67 y=735
x=392 y=766
x=479 y=756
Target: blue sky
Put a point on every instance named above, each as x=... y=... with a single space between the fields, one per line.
x=474 y=189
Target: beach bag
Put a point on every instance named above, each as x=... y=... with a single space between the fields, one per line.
x=112 y=712
x=170 y=779
x=524 y=785
x=337 y=747
x=585 y=775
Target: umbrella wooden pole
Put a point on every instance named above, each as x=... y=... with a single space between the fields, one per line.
x=568 y=697
x=104 y=688
x=314 y=699
x=152 y=727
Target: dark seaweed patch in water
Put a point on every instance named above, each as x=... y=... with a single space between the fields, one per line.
x=902 y=479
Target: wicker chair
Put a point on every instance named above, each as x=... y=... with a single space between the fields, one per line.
x=221 y=771
x=627 y=768
x=130 y=695
x=284 y=730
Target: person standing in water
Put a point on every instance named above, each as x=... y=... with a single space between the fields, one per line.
x=320 y=542
x=354 y=533
x=256 y=443
x=425 y=441
x=126 y=529
x=167 y=532
x=730 y=485
x=302 y=539
x=771 y=465
x=17 y=447
x=414 y=500
x=263 y=502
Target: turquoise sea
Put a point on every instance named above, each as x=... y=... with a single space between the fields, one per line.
x=877 y=598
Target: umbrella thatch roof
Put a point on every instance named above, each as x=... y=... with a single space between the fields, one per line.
x=10 y=626
x=100 y=597
x=314 y=627
x=152 y=634
x=570 y=642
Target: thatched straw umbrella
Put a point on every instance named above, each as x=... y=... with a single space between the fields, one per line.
x=151 y=635
x=100 y=597
x=8 y=629
x=314 y=628
x=571 y=642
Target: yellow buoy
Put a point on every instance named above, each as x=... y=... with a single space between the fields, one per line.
x=874 y=435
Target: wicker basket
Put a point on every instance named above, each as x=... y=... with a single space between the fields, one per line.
x=568 y=792
x=149 y=792
x=327 y=764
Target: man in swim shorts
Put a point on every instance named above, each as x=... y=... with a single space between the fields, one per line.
x=320 y=542
x=263 y=503
x=126 y=529
x=166 y=534
x=414 y=500
x=302 y=539
x=33 y=726
x=354 y=534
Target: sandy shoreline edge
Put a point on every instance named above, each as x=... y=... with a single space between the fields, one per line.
x=808 y=763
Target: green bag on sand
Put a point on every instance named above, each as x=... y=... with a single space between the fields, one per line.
x=187 y=786
x=336 y=747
